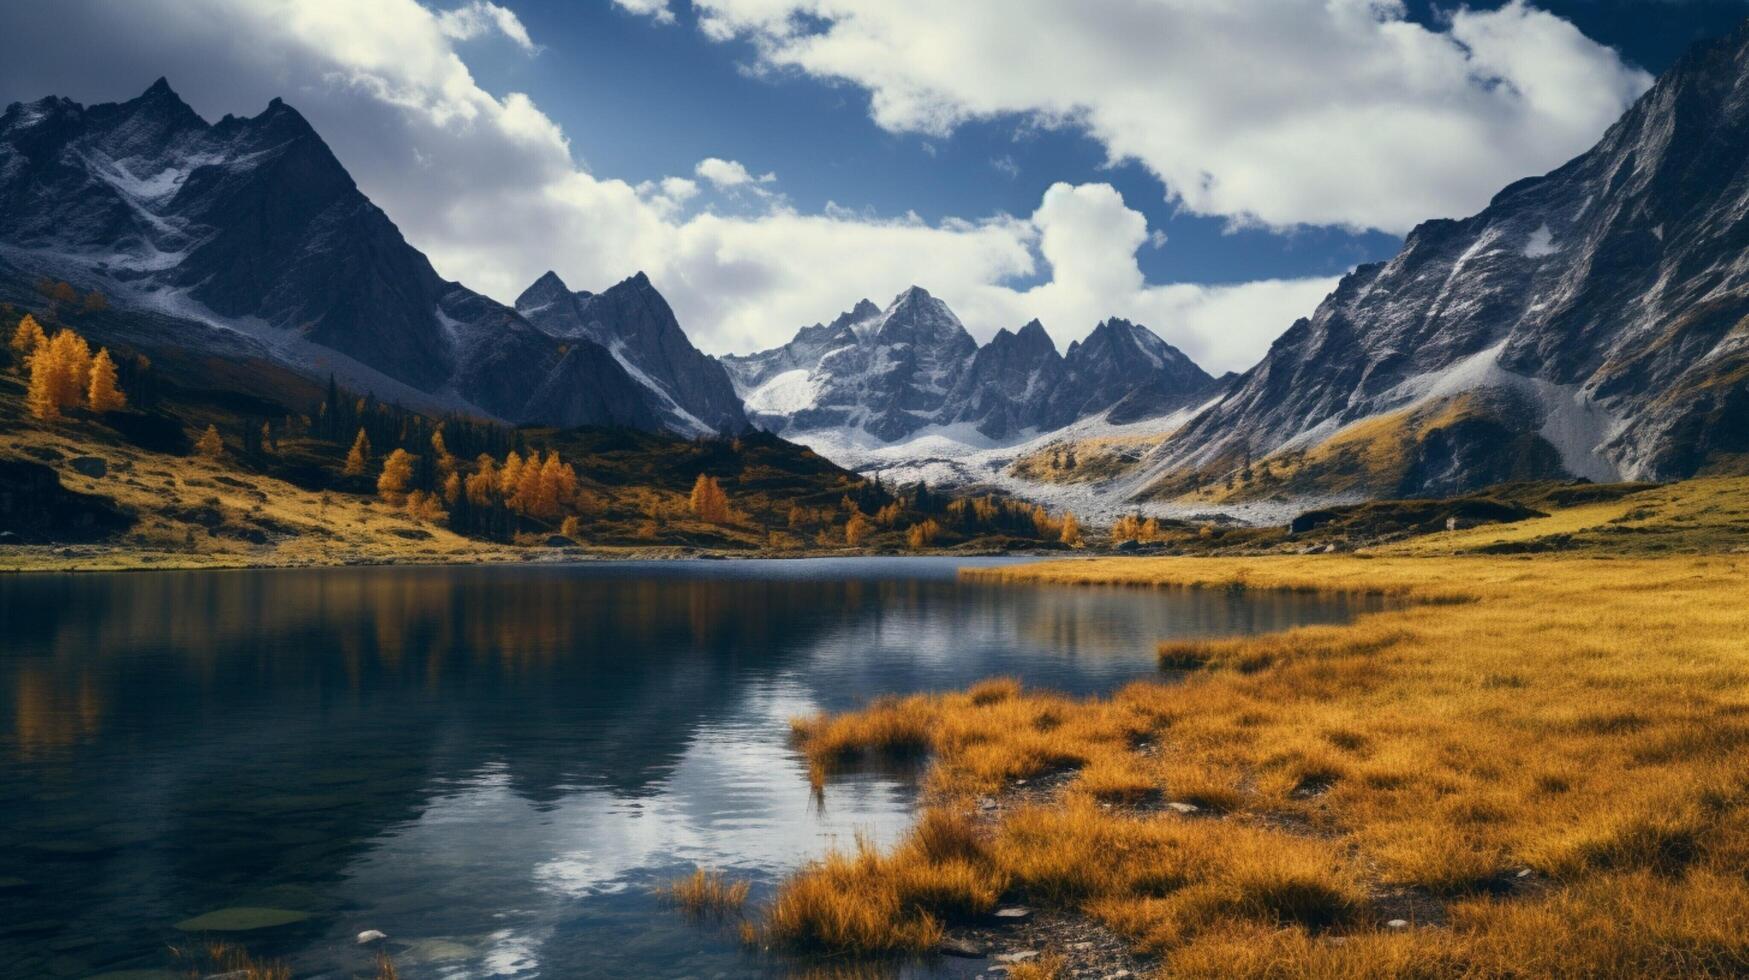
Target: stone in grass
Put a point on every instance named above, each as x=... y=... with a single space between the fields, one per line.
x=1183 y=807
x=243 y=918
x=967 y=948
x=1020 y=956
x=369 y=936
x=1397 y=924
x=1014 y=913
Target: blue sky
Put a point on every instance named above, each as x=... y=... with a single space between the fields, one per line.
x=641 y=99
x=1265 y=147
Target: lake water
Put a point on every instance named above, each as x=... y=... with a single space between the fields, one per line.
x=493 y=765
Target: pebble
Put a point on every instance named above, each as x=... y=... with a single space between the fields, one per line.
x=967 y=948
x=1523 y=873
x=1397 y=924
x=369 y=936
x=1014 y=913
x=1183 y=807
x=1018 y=957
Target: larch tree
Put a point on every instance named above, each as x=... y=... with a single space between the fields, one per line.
x=923 y=534
x=396 y=477
x=27 y=340
x=510 y=476
x=1071 y=529
x=452 y=488
x=358 y=459
x=482 y=485
x=709 y=501
x=101 y=393
x=209 y=444
x=856 y=530
x=60 y=372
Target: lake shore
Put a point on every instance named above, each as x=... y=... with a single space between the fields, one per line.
x=1534 y=767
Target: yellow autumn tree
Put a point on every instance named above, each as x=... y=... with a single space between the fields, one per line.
x=856 y=530
x=555 y=487
x=209 y=444
x=440 y=453
x=923 y=534
x=709 y=501
x=572 y=527
x=527 y=497
x=482 y=484
x=422 y=506
x=101 y=392
x=510 y=476
x=60 y=372
x=1071 y=529
x=452 y=488
x=358 y=459
x=396 y=477
x=27 y=339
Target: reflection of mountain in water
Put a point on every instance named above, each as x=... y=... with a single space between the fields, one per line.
x=179 y=742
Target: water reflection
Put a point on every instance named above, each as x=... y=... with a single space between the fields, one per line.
x=492 y=765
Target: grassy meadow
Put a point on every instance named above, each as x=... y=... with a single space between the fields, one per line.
x=1536 y=763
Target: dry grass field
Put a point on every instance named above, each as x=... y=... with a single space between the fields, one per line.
x=1532 y=765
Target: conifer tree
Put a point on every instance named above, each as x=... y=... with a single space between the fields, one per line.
x=396 y=477
x=1071 y=529
x=27 y=339
x=60 y=373
x=709 y=501
x=856 y=529
x=510 y=477
x=358 y=460
x=922 y=535
x=101 y=394
x=210 y=445
x=482 y=484
x=452 y=488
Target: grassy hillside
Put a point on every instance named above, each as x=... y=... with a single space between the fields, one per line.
x=276 y=484
x=1533 y=767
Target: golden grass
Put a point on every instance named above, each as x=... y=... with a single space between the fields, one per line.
x=707 y=894
x=1550 y=753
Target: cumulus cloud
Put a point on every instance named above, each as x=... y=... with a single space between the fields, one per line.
x=488 y=186
x=480 y=18
x=725 y=174
x=1273 y=112
x=657 y=9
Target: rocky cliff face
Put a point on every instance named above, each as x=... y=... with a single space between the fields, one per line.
x=1588 y=322
x=251 y=226
x=631 y=319
x=890 y=373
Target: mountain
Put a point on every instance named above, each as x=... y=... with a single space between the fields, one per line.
x=887 y=374
x=1127 y=369
x=1591 y=322
x=250 y=234
x=636 y=325
x=1012 y=384
x=891 y=373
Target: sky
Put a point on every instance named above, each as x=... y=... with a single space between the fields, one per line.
x=1206 y=167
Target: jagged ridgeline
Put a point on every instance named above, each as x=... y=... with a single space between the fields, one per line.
x=1590 y=323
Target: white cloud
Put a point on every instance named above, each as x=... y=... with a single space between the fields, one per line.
x=1280 y=112
x=652 y=8
x=725 y=174
x=480 y=18
x=489 y=188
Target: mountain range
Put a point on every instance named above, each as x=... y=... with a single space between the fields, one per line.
x=1592 y=322
x=893 y=372
x=251 y=235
